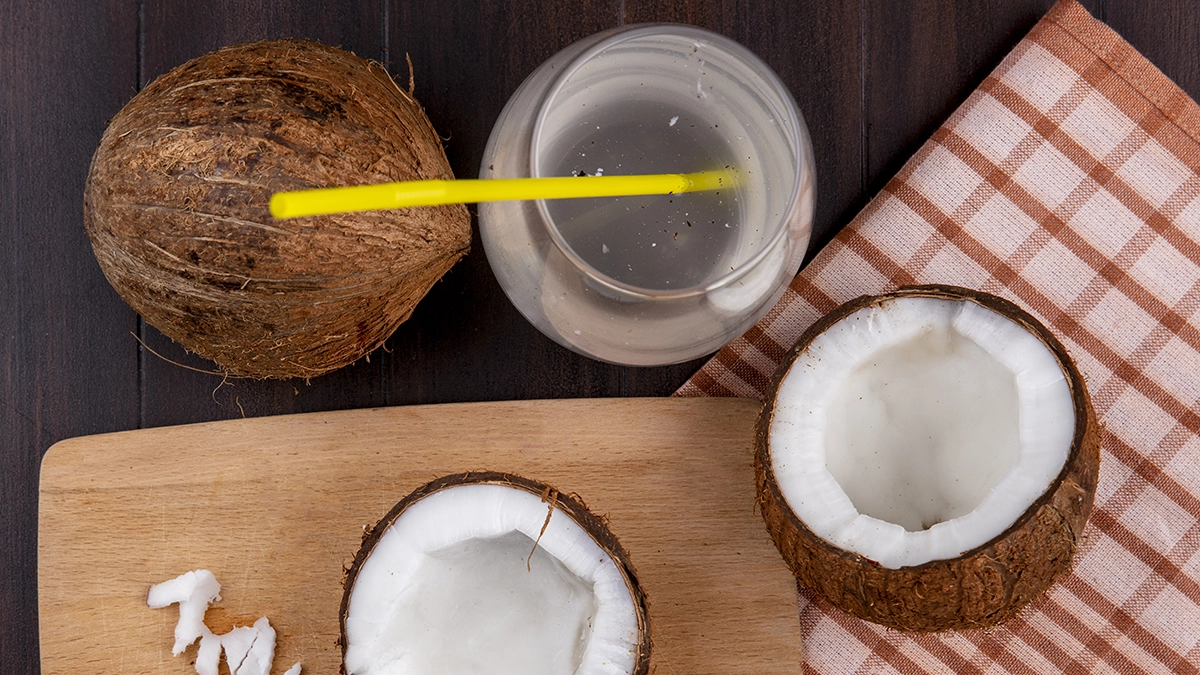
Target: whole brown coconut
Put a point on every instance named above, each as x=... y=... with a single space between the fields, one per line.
x=176 y=207
x=982 y=586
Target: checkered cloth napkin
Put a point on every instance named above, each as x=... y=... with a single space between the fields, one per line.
x=1069 y=183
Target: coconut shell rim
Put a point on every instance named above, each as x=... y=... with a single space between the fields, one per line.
x=1080 y=401
x=571 y=504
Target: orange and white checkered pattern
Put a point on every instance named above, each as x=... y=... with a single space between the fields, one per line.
x=1069 y=183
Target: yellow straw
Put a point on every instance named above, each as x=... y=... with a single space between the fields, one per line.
x=435 y=192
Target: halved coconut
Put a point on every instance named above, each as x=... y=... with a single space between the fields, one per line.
x=492 y=573
x=927 y=459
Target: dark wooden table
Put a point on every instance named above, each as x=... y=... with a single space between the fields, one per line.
x=872 y=78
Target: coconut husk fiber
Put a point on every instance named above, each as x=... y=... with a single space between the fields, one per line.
x=176 y=206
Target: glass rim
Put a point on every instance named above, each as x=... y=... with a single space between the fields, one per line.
x=771 y=82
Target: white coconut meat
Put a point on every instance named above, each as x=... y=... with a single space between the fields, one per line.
x=192 y=591
x=248 y=650
x=918 y=429
x=457 y=585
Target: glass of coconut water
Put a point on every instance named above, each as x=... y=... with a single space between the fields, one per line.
x=650 y=280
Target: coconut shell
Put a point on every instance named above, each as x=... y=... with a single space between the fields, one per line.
x=176 y=206
x=570 y=505
x=985 y=585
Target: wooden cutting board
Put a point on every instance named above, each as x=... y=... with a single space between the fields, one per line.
x=275 y=508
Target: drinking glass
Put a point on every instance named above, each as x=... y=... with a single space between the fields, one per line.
x=661 y=279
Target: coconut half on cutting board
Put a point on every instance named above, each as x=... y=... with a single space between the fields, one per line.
x=492 y=573
x=927 y=459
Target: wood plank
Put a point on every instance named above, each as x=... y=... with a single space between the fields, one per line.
x=179 y=30
x=466 y=342
x=275 y=508
x=1166 y=32
x=67 y=361
x=815 y=48
x=923 y=59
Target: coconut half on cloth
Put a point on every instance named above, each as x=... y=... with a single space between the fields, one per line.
x=492 y=573
x=927 y=459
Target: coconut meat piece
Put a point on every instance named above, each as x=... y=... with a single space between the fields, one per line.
x=918 y=429
x=457 y=585
x=193 y=591
x=208 y=655
x=249 y=650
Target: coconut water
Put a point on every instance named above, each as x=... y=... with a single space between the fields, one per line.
x=655 y=242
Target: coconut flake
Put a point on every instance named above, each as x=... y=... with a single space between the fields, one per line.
x=193 y=591
x=249 y=650
x=236 y=644
x=208 y=657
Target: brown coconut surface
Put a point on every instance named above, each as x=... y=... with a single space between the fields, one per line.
x=176 y=206
x=571 y=506
x=983 y=586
